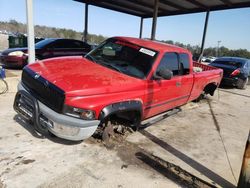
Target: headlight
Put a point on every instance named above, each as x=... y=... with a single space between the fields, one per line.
x=16 y=53
x=79 y=113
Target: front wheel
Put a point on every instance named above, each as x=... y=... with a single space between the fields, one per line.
x=242 y=84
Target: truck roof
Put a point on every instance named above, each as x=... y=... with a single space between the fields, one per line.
x=152 y=44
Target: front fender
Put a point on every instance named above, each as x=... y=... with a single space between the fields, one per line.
x=124 y=106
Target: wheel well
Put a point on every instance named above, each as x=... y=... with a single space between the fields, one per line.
x=129 y=111
x=210 y=88
x=132 y=117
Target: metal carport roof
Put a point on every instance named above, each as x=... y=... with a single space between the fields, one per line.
x=145 y=8
x=157 y=8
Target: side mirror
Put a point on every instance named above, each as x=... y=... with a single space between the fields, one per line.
x=164 y=73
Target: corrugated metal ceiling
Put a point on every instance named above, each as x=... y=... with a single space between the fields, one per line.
x=145 y=8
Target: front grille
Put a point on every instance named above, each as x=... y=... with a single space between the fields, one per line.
x=44 y=91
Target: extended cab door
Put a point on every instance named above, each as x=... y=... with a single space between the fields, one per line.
x=163 y=95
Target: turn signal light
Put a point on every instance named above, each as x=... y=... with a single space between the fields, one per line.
x=235 y=72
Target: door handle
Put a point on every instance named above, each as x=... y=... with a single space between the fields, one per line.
x=178 y=84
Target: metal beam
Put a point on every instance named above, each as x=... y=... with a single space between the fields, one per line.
x=30 y=30
x=113 y=7
x=130 y=6
x=227 y=2
x=148 y=5
x=141 y=28
x=154 y=21
x=125 y=10
x=172 y=4
x=204 y=33
x=197 y=3
x=85 y=35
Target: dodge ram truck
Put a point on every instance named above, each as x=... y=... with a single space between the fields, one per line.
x=126 y=77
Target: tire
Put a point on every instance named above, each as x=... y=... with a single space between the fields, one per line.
x=201 y=97
x=242 y=84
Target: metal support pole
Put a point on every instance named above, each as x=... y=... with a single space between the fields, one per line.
x=218 y=49
x=154 y=19
x=30 y=29
x=86 y=23
x=141 y=28
x=244 y=179
x=204 y=33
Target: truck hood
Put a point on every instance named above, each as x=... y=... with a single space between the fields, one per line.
x=78 y=76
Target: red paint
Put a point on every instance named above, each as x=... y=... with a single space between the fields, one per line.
x=91 y=86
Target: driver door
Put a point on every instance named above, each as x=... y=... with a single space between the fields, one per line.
x=163 y=95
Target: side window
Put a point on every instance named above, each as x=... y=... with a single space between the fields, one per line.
x=75 y=44
x=85 y=45
x=170 y=61
x=184 y=63
x=248 y=64
x=71 y=44
x=58 y=44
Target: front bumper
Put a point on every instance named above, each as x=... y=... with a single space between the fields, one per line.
x=45 y=119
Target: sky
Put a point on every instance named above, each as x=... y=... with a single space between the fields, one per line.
x=231 y=27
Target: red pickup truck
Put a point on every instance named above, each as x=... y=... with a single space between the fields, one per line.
x=123 y=77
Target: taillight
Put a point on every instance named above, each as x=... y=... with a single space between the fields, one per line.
x=235 y=72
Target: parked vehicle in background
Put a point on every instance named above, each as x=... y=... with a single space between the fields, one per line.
x=128 y=78
x=208 y=59
x=47 y=48
x=235 y=71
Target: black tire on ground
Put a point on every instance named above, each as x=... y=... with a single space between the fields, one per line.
x=201 y=97
x=242 y=84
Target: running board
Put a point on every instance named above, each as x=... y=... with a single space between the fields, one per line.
x=146 y=123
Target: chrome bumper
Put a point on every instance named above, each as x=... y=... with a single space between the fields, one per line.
x=45 y=119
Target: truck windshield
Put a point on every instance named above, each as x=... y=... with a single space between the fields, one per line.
x=124 y=57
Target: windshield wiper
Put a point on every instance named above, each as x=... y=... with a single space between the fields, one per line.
x=102 y=63
x=111 y=66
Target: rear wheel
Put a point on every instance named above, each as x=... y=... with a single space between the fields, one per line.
x=242 y=84
x=201 y=97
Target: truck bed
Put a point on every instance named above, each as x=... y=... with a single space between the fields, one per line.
x=203 y=67
x=204 y=75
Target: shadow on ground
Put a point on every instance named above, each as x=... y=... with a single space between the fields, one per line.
x=171 y=171
x=234 y=93
x=188 y=160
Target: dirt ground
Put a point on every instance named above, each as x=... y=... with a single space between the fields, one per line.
x=200 y=146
